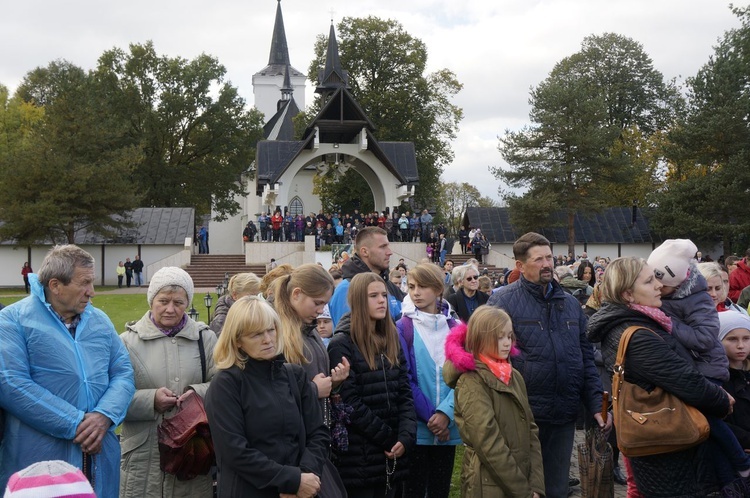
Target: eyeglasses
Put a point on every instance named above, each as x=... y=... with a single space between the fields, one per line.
x=475 y=277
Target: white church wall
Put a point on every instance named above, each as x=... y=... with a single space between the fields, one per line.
x=267 y=92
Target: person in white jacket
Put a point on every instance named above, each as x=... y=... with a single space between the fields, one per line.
x=423 y=328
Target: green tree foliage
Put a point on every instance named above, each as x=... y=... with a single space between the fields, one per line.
x=197 y=135
x=64 y=162
x=708 y=183
x=387 y=76
x=569 y=159
x=344 y=196
x=453 y=200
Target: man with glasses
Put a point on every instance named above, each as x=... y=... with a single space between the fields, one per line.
x=466 y=298
x=555 y=359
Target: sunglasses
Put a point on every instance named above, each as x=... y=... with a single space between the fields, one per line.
x=475 y=277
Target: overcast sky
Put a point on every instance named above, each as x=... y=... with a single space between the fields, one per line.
x=498 y=49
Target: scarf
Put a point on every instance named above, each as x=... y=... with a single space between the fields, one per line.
x=173 y=331
x=501 y=368
x=655 y=314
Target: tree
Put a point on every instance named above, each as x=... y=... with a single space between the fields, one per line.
x=345 y=195
x=197 y=135
x=453 y=200
x=708 y=182
x=387 y=76
x=65 y=165
x=587 y=115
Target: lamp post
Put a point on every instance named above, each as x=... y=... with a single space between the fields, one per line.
x=193 y=313
x=208 y=301
x=220 y=290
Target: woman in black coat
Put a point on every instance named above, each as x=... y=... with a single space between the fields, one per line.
x=631 y=295
x=266 y=422
x=382 y=426
x=467 y=298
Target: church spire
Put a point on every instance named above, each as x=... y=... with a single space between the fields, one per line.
x=333 y=76
x=279 y=48
x=287 y=90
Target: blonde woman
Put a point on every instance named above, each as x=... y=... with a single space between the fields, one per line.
x=299 y=298
x=266 y=425
x=240 y=285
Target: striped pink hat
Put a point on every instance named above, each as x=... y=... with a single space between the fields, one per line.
x=51 y=479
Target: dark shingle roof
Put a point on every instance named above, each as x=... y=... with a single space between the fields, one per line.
x=611 y=226
x=281 y=126
x=151 y=226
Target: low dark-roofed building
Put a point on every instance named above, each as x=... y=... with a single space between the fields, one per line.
x=613 y=232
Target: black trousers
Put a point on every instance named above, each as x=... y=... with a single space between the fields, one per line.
x=430 y=471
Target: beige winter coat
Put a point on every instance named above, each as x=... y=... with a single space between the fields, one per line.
x=160 y=361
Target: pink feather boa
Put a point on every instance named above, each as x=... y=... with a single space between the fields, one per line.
x=455 y=349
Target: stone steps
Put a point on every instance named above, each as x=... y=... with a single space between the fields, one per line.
x=208 y=270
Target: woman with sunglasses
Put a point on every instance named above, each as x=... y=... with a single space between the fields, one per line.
x=467 y=298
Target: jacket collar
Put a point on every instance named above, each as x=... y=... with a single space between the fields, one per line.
x=146 y=329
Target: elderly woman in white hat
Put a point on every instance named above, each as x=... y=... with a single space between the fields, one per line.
x=171 y=354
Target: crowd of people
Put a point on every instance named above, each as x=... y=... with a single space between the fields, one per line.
x=337 y=228
x=368 y=375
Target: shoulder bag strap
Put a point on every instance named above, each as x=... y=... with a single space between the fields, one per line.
x=202 y=352
x=625 y=340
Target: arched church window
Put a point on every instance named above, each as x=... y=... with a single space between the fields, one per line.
x=296 y=207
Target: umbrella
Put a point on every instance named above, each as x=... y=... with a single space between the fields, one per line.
x=595 y=461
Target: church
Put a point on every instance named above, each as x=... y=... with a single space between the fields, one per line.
x=338 y=138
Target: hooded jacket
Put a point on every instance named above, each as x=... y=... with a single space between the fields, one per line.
x=383 y=412
x=354 y=266
x=220 y=313
x=654 y=360
x=425 y=355
x=160 y=361
x=556 y=360
x=50 y=379
x=503 y=456
x=696 y=325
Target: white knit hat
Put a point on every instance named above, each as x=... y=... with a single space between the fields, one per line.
x=48 y=479
x=326 y=313
x=732 y=320
x=170 y=275
x=671 y=261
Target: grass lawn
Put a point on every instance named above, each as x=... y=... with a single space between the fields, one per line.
x=121 y=308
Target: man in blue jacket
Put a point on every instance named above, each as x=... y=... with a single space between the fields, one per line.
x=556 y=360
x=372 y=254
x=65 y=376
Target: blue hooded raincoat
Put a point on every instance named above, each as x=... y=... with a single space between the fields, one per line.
x=49 y=380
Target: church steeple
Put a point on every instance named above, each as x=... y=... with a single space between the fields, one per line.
x=333 y=76
x=279 y=48
x=287 y=91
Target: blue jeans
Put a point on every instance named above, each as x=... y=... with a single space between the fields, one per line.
x=138 y=281
x=557 y=448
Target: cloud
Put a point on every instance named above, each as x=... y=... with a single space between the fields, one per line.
x=498 y=50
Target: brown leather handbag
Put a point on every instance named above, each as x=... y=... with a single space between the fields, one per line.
x=185 y=446
x=651 y=422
